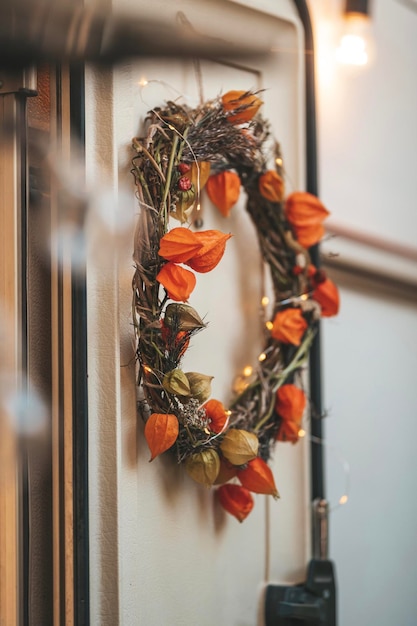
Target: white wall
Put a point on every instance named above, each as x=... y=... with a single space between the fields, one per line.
x=367 y=126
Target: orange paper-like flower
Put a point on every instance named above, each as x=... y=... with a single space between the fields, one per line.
x=306 y=214
x=213 y=246
x=304 y=209
x=288 y=431
x=271 y=186
x=327 y=295
x=223 y=189
x=161 y=432
x=289 y=326
x=236 y=500
x=258 y=477
x=217 y=414
x=242 y=105
x=179 y=245
x=178 y=281
x=290 y=402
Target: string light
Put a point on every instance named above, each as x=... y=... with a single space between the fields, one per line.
x=248 y=371
x=147 y=369
x=265 y=301
x=143 y=82
x=343 y=499
x=269 y=325
x=301 y=433
x=262 y=357
x=278 y=161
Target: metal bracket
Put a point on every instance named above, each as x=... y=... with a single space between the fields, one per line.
x=312 y=602
x=22 y=81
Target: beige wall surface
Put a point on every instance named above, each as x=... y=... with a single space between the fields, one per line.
x=161 y=550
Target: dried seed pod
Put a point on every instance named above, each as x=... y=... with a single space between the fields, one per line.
x=257 y=477
x=217 y=415
x=223 y=189
x=239 y=446
x=271 y=186
x=161 y=432
x=208 y=257
x=183 y=316
x=227 y=471
x=178 y=281
x=241 y=105
x=236 y=500
x=200 y=385
x=179 y=245
x=176 y=382
x=203 y=467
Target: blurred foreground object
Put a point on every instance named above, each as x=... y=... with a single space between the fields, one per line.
x=42 y=30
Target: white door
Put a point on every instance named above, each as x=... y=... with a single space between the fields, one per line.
x=161 y=551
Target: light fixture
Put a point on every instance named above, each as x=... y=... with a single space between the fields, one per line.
x=356 y=42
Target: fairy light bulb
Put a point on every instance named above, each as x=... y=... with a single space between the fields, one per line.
x=262 y=357
x=301 y=433
x=356 y=42
x=269 y=325
x=343 y=499
x=265 y=301
x=143 y=82
x=247 y=371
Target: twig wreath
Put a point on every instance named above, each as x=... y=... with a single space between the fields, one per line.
x=223 y=145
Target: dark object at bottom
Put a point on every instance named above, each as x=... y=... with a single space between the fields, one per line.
x=313 y=602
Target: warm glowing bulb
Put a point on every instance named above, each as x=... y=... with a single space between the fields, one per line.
x=278 y=161
x=143 y=82
x=262 y=357
x=301 y=433
x=343 y=500
x=356 y=42
x=265 y=301
x=269 y=325
x=147 y=368
x=228 y=412
x=247 y=371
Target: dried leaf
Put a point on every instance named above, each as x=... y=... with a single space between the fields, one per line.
x=161 y=432
x=239 y=446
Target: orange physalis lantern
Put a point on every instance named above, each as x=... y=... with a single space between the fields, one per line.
x=236 y=500
x=217 y=415
x=258 y=477
x=213 y=244
x=227 y=471
x=327 y=295
x=306 y=213
x=290 y=402
x=288 y=431
x=289 y=326
x=271 y=186
x=178 y=281
x=161 y=432
x=242 y=106
x=223 y=189
x=179 y=245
